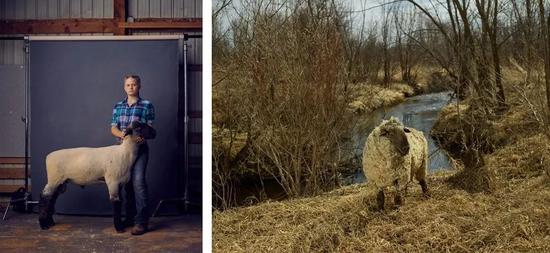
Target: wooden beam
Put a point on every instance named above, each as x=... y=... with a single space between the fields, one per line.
x=13 y=160
x=164 y=23
x=119 y=16
x=57 y=26
x=95 y=25
x=13 y=173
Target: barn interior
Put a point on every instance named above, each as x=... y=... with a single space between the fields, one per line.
x=24 y=24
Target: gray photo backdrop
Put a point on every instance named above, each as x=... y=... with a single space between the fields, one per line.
x=74 y=86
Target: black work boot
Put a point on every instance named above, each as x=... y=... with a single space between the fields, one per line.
x=139 y=229
x=128 y=223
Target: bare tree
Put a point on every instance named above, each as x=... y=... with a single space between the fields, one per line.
x=385 y=33
x=408 y=54
x=545 y=34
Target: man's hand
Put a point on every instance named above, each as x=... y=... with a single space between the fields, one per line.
x=116 y=132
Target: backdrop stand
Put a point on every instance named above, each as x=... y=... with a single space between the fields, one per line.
x=27 y=197
x=183 y=202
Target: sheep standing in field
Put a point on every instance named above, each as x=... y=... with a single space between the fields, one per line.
x=394 y=155
x=85 y=166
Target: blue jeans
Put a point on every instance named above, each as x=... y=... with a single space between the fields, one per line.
x=136 y=189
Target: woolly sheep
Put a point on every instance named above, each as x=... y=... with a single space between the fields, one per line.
x=394 y=155
x=85 y=166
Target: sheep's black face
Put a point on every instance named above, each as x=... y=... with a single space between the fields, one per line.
x=397 y=136
x=141 y=129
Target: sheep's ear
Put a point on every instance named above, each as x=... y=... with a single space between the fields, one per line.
x=406 y=130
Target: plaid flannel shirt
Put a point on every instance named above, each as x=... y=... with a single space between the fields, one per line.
x=123 y=114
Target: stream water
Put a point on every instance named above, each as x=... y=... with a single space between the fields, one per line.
x=419 y=112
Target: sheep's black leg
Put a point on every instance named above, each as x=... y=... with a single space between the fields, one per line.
x=51 y=204
x=117 y=220
x=43 y=211
x=398 y=200
x=380 y=200
x=424 y=187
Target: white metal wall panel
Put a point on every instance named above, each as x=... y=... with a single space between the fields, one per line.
x=9 y=10
x=142 y=9
x=74 y=7
x=53 y=9
x=20 y=9
x=166 y=9
x=178 y=8
x=154 y=9
x=42 y=10
x=108 y=8
x=97 y=9
x=64 y=9
x=86 y=8
x=29 y=9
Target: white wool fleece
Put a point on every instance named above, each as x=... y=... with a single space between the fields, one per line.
x=382 y=164
x=85 y=166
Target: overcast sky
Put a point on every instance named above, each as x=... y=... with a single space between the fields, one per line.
x=369 y=8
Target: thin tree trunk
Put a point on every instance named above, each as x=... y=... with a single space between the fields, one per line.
x=545 y=30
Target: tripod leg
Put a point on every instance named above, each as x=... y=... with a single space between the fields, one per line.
x=157 y=208
x=6 y=212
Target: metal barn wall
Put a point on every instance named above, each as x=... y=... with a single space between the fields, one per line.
x=11 y=52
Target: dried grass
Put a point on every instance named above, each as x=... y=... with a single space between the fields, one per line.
x=514 y=218
x=368 y=98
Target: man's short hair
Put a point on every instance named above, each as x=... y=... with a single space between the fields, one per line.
x=135 y=77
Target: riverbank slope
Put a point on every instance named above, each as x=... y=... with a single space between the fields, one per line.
x=510 y=216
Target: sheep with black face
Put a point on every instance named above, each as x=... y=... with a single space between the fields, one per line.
x=85 y=166
x=393 y=156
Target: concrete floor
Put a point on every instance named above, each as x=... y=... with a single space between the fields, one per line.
x=21 y=233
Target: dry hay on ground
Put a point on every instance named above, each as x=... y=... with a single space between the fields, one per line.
x=368 y=98
x=514 y=218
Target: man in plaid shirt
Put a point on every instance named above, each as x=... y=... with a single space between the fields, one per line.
x=134 y=108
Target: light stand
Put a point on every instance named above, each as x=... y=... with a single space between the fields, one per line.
x=27 y=197
x=182 y=44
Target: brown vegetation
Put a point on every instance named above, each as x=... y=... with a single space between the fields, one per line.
x=287 y=81
x=281 y=86
x=287 y=77
x=512 y=215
